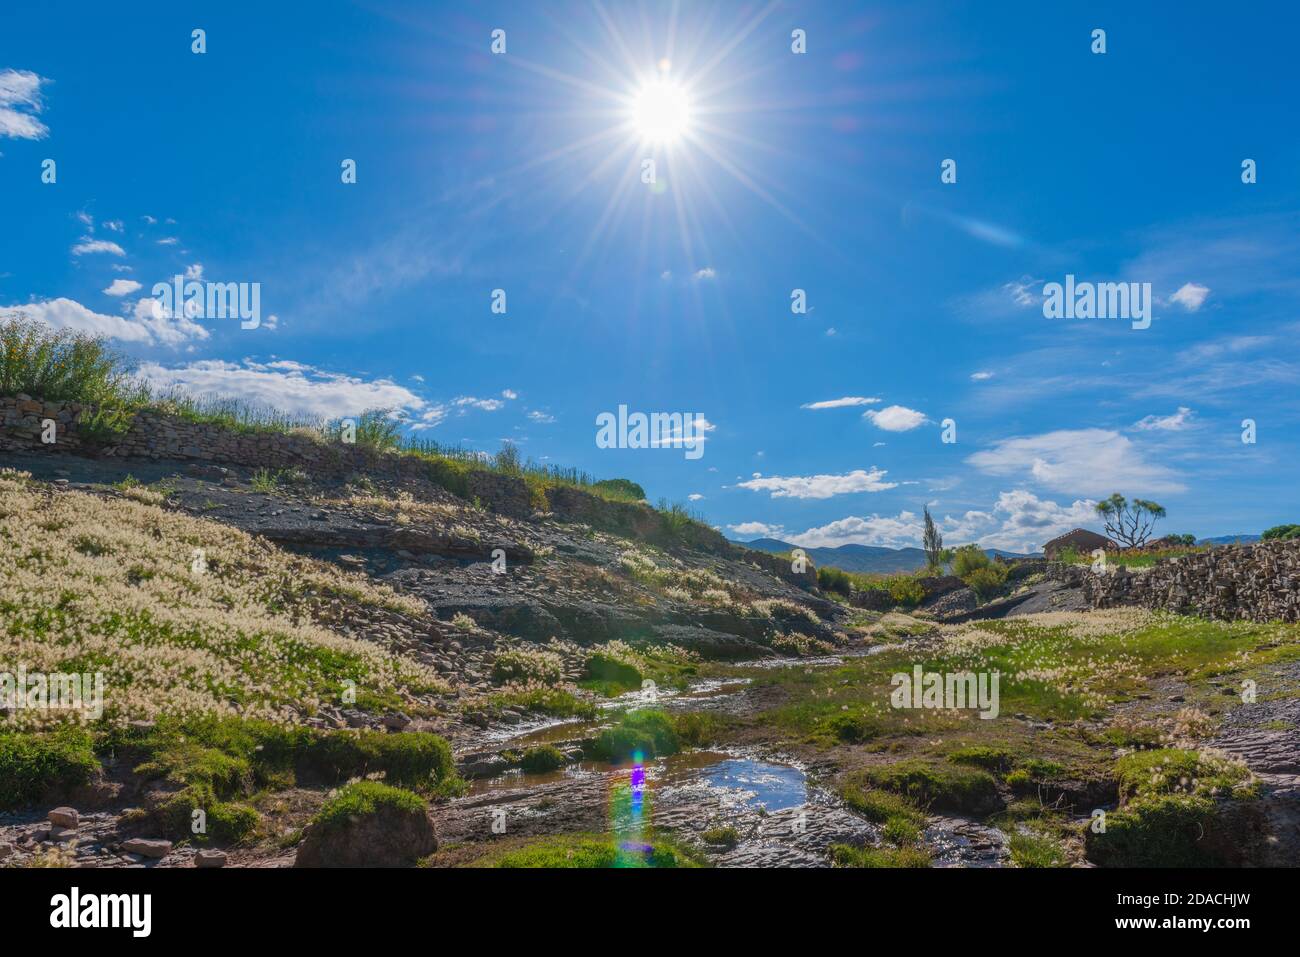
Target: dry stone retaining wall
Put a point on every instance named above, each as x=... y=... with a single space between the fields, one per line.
x=1259 y=582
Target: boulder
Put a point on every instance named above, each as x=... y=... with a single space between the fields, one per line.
x=64 y=817
x=209 y=858
x=147 y=847
x=386 y=836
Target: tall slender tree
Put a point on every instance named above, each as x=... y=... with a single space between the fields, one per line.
x=932 y=542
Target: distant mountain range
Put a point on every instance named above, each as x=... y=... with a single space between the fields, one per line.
x=876 y=558
x=1228 y=540
x=862 y=558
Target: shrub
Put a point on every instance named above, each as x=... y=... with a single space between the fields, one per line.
x=63 y=366
x=607 y=666
x=726 y=837
x=377 y=429
x=620 y=490
x=987 y=582
x=1167 y=830
x=648 y=733
x=906 y=591
x=544 y=757
x=834 y=580
x=528 y=665
x=1281 y=532
x=34 y=766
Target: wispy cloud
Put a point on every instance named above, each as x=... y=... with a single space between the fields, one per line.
x=1078 y=461
x=846 y=401
x=20 y=104
x=1191 y=295
x=1180 y=420
x=90 y=246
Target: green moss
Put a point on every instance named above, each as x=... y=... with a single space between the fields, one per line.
x=364 y=798
x=591 y=851
x=845 y=855
x=852 y=727
x=647 y=733
x=34 y=766
x=990 y=758
x=880 y=806
x=956 y=788
x=1030 y=849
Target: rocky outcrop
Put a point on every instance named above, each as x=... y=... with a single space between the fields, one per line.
x=387 y=836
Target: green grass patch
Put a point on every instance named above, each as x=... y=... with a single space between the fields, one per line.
x=34 y=766
x=845 y=855
x=593 y=851
x=364 y=798
x=646 y=732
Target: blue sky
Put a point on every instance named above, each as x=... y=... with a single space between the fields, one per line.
x=817 y=171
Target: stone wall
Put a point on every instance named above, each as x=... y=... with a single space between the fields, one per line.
x=1259 y=582
x=155 y=435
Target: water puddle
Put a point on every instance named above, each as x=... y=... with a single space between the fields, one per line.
x=738 y=782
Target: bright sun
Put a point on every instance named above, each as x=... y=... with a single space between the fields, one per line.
x=661 y=111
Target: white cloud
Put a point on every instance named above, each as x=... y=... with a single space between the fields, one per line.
x=898 y=532
x=194 y=271
x=1018 y=521
x=820 y=486
x=115 y=225
x=895 y=418
x=168 y=241
x=757 y=530
x=1180 y=420
x=543 y=418
x=20 y=102
x=846 y=401
x=1023 y=291
x=89 y=245
x=1190 y=296
x=1078 y=461
x=87 y=219
x=509 y=394
x=695 y=496
x=293 y=387
x=707 y=272
x=466 y=402
x=141 y=326
x=831 y=331
x=121 y=287
x=981 y=376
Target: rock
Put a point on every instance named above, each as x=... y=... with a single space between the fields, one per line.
x=208 y=858
x=396 y=721
x=64 y=817
x=61 y=835
x=386 y=837
x=147 y=847
x=6 y=849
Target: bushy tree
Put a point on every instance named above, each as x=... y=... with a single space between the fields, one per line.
x=1129 y=523
x=1281 y=532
